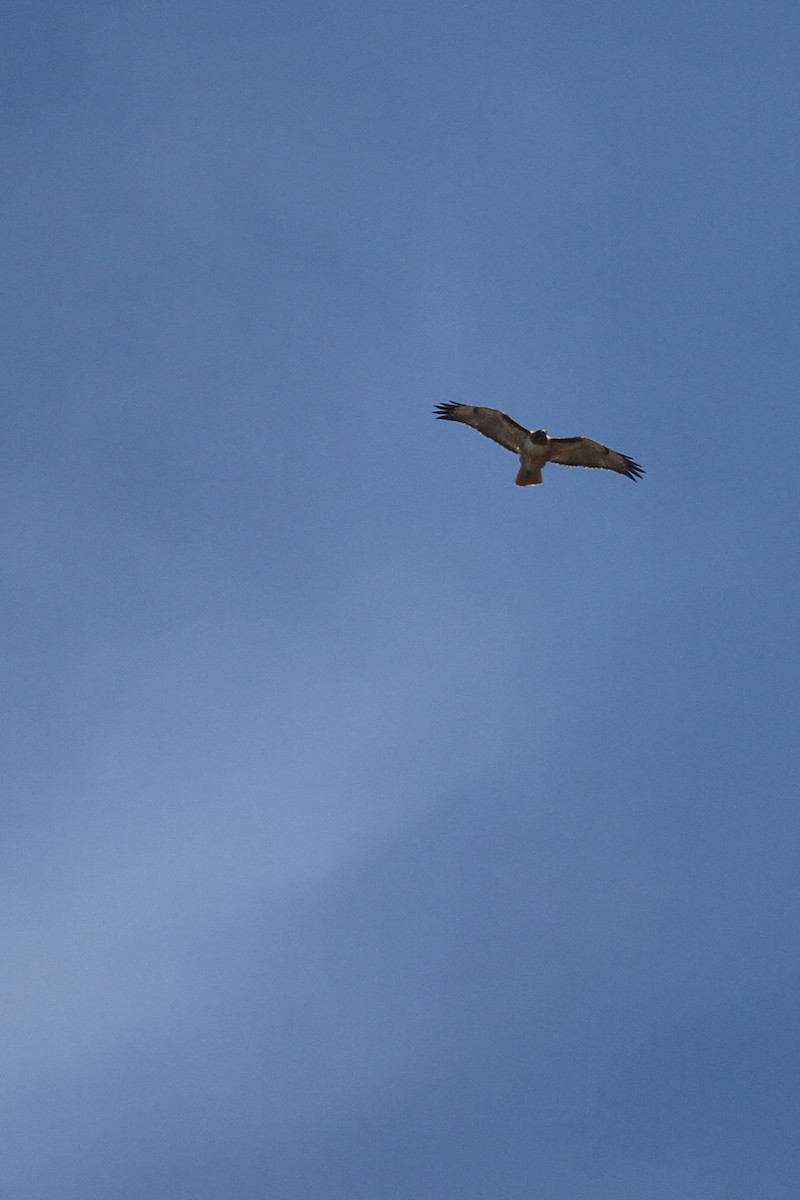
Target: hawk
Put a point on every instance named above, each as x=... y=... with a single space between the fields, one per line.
x=534 y=447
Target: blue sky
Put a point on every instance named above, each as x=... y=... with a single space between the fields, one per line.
x=375 y=828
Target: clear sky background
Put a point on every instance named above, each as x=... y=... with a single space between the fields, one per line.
x=374 y=828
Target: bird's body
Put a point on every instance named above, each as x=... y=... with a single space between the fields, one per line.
x=533 y=455
x=534 y=447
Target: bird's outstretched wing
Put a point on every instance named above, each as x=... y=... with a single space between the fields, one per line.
x=583 y=452
x=489 y=421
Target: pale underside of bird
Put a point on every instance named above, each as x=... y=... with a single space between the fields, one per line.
x=534 y=447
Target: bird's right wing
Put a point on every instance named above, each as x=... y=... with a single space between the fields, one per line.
x=489 y=421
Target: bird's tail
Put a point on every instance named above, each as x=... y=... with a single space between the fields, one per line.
x=528 y=477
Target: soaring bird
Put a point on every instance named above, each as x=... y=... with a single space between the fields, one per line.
x=534 y=447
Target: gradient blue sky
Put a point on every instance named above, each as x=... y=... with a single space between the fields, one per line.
x=374 y=828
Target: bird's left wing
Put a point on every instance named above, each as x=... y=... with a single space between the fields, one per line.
x=489 y=421
x=583 y=452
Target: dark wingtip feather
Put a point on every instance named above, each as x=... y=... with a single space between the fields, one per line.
x=445 y=411
x=633 y=470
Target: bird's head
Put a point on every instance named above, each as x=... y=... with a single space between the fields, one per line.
x=539 y=436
